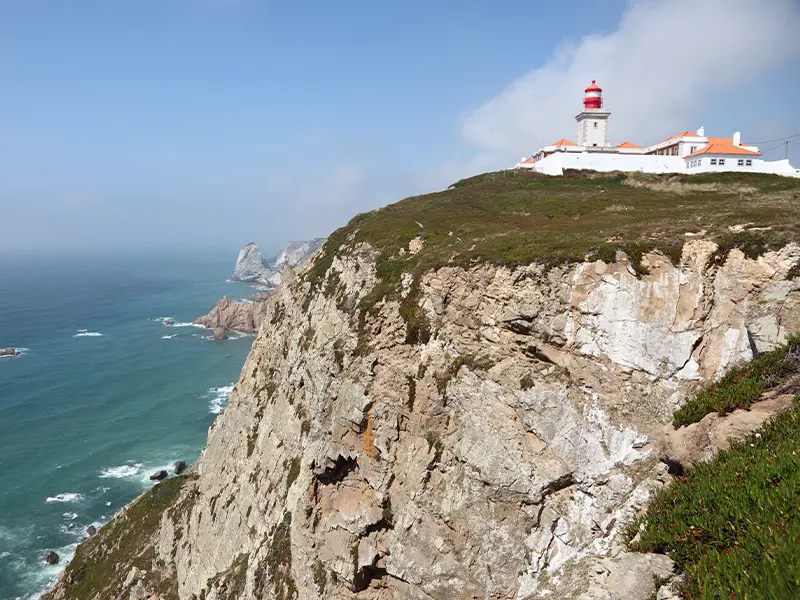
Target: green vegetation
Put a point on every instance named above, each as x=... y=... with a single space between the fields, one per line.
x=294 y=472
x=513 y=217
x=235 y=577
x=320 y=576
x=742 y=385
x=102 y=562
x=474 y=363
x=733 y=524
x=276 y=571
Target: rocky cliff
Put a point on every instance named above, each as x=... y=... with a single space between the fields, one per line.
x=478 y=430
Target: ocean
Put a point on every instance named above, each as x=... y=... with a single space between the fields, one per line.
x=103 y=395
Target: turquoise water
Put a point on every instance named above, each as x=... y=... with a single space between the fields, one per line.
x=100 y=397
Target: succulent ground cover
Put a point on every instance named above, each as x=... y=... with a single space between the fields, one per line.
x=742 y=385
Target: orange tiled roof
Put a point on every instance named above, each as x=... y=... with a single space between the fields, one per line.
x=564 y=142
x=628 y=145
x=528 y=161
x=722 y=146
x=679 y=135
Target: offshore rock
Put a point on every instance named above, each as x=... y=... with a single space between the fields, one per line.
x=244 y=317
x=220 y=334
x=499 y=452
x=251 y=266
x=8 y=352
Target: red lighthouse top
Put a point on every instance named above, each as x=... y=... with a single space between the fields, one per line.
x=594 y=96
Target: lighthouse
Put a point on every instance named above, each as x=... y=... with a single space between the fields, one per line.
x=593 y=119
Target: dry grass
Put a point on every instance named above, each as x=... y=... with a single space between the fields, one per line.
x=677 y=184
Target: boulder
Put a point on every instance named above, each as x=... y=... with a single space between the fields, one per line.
x=8 y=352
x=220 y=334
x=159 y=475
x=91 y=530
x=52 y=558
x=179 y=467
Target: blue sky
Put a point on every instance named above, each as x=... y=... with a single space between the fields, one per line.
x=199 y=125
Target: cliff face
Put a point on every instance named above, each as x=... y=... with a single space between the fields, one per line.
x=488 y=433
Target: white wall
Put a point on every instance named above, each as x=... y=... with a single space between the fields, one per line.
x=775 y=167
x=604 y=162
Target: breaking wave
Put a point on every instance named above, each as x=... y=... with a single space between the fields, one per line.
x=65 y=497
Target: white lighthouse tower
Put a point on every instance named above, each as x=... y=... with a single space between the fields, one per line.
x=593 y=119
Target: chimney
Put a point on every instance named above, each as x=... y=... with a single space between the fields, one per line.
x=737 y=138
x=701 y=132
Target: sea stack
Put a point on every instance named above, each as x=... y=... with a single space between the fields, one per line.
x=251 y=266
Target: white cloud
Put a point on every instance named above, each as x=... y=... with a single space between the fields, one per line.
x=658 y=71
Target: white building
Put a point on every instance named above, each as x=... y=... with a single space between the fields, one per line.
x=684 y=152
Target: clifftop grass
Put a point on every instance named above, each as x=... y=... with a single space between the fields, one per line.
x=513 y=217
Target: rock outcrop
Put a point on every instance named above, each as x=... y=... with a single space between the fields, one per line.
x=8 y=352
x=251 y=266
x=244 y=317
x=483 y=433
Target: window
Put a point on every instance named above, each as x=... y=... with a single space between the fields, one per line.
x=722 y=161
x=692 y=149
x=749 y=163
x=713 y=161
x=740 y=162
x=595 y=124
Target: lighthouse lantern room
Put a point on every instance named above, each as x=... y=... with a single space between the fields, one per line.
x=593 y=119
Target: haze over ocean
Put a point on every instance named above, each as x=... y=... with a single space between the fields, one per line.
x=101 y=396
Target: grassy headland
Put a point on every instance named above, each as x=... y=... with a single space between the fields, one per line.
x=514 y=217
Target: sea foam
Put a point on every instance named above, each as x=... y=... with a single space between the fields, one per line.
x=121 y=471
x=84 y=333
x=65 y=497
x=219 y=398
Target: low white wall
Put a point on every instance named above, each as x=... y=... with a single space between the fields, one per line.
x=556 y=163
x=773 y=167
